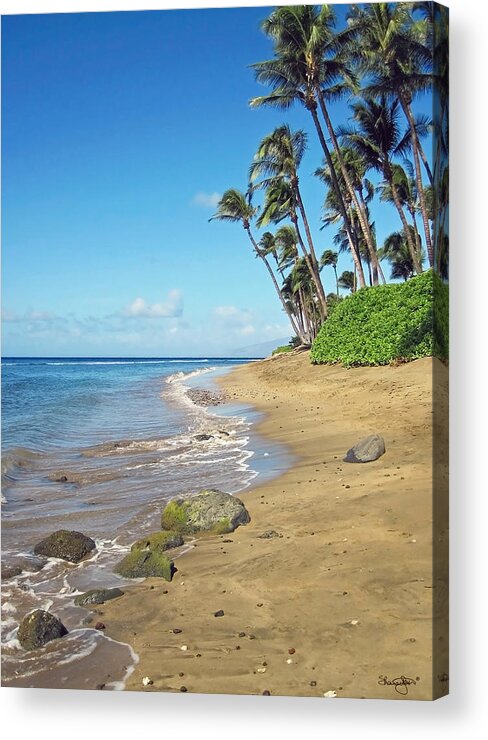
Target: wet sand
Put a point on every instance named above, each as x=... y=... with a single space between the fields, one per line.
x=341 y=600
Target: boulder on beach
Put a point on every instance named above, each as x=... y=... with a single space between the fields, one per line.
x=38 y=628
x=11 y=571
x=206 y=511
x=145 y=563
x=366 y=450
x=98 y=596
x=159 y=541
x=66 y=545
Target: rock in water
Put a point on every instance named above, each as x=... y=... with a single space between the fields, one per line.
x=71 y=546
x=366 y=450
x=207 y=511
x=98 y=596
x=159 y=541
x=38 y=628
x=144 y=563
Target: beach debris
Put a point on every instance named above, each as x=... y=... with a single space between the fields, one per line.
x=183 y=689
x=291 y=651
x=252 y=637
x=260 y=604
x=184 y=648
x=269 y=534
x=99 y=626
x=366 y=450
x=98 y=596
x=146 y=681
x=313 y=683
x=354 y=621
x=38 y=628
x=261 y=669
x=289 y=661
x=330 y=694
x=219 y=613
x=266 y=693
x=66 y=545
x=176 y=631
x=145 y=563
x=209 y=510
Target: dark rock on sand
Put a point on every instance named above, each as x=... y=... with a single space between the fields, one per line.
x=269 y=535
x=144 y=563
x=71 y=546
x=159 y=541
x=203 y=437
x=219 y=613
x=207 y=511
x=98 y=596
x=38 y=628
x=366 y=450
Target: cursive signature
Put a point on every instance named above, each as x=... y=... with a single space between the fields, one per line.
x=401 y=683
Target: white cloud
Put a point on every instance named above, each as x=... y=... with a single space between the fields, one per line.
x=206 y=200
x=30 y=316
x=171 y=308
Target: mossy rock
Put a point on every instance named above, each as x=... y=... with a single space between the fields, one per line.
x=145 y=563
x=206 y=511
x=38 y=628
x=98 y=596
x=159 y=541
x=66 y=545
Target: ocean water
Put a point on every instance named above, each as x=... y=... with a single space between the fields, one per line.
x=99 y=446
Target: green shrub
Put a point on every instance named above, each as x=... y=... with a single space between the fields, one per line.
x=389 y=322
x=173 y=517
x=159 y=541
x=281 y=349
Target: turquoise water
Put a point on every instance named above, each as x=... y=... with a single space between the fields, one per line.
x=99 y=446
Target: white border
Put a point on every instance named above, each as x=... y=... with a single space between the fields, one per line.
x=38 y=712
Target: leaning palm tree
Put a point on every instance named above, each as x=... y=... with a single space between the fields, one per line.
x=236 y=208
x=396 y=59
x=329 y=258
x=406 y=188
x=278 y=158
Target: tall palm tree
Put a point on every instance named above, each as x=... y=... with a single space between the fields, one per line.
x=329 y=258
x=305 y=58
x=376 y=137
x=236 y=208
x=397 y=252
x=278 y=158
x=406 y=188
x=396 y=59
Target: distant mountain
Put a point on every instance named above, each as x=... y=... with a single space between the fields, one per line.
x=263 y=349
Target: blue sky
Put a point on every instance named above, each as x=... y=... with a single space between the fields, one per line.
x=120 y=131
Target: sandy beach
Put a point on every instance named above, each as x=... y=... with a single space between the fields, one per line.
x=339 y=599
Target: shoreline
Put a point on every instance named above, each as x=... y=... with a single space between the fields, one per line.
x=342 y=596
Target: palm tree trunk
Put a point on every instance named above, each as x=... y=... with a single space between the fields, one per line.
x=418 y=177
x=376 y=266
x=336 y=279
x=315 y=265
x=308 y=259
x=418 y=243
x=340 y=199
x=406 y=226
x=362 y=216
x=275 y=283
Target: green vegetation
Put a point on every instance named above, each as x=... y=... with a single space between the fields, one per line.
x=376 y=326
x=173 y=518
x=143 y=563
x=159 y=541
x=283 y=348
x=223 y=526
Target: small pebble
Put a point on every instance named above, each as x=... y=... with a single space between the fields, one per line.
x=183 y=689
x=177 y=631
x=266 y=692
x=219 y=613
x=146 y=681
x=242 y=634
x=354 y=621
x=100 y=686
x=99 y=626
x=261 y=670
x=289 y=660
x=259 y=605
x=313 y=683
x=184 y=648
x=330 y=694
x=291 y=651
x=181 y=674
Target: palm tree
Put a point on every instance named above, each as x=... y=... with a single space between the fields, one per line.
x=236 y=208
x=278 y=158
x=376 y=138
x=347 y=281
x=397 y=252
x=305 y=58
x=329 y=258
x=406 y=187
x=396 y=59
